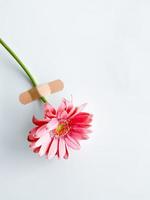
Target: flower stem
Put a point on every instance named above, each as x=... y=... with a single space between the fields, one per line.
x=12 y=53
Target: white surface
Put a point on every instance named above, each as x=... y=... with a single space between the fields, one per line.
x=101 y=49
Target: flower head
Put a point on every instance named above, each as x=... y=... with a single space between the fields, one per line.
x=60 y=130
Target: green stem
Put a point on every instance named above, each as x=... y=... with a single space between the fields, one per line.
x=12 y=53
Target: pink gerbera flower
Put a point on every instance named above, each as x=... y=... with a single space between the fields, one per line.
x=60 y=130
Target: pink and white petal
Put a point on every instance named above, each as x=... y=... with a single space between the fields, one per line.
x=31 y=138
x=85 y=113
x=52 y=124
x=42 y=140
x=72 y=142
x=44 y=147
x=72 y=112
x=41 y=131
x=67 y=153
x=53 y=148
x=31 y=145
x=60 y=109
x=69 y=105
x=64 y=115
x=80 y=130
x=36 y=150
x=80 y=125
x=31 y=135
x=62 y=148
x=49 y=110
x=39 y=122
x=82 y=118
x=79 y=136
x=78 y=110
x=33 y=131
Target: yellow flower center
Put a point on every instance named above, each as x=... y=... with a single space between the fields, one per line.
x=62 y=128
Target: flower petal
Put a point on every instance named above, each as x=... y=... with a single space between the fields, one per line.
x=44 y=147
x=41 y=131
x=39 y=122
x=72 y=112
x=49 y=110
x=82 y=118
x=81 y=125
x=42 y=140
x=79 y=136
x=80 y=130
x=62 y=148
x=31 y=135
x=60 y=109
x=77 y=110
x=68 y=104
x=67 y=153
x=53 y=148
x=36 y=150
x=63 y=115
x=71 y=142
x=52 y=124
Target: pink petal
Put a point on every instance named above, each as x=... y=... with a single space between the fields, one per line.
x=68 y=104
x=78 y=110
x=62 y=148
x=52 y=124
x=82 y=118
x=81 y=125
x=60 y=109
x=66 y=154
x=31 y=145
x=80 y=130
x=63 y=115
x=49 y=110
x=79 y=136
x=53 y=148
x=44 y=147
x=36 y=150
x=33 y=130
x=42 y=140
x=31 y=135
x=39 y=122
x=71 y=142
x=72 y=112
x=41 y=131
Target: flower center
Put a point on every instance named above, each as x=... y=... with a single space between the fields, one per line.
x=62 y=128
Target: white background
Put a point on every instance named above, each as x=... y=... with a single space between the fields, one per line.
x=101 y=50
